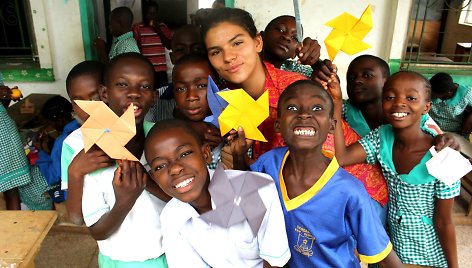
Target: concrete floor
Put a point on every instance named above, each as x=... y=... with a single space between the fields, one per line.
x=68 y=245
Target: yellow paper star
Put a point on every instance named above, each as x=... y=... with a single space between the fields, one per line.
x=348 y=32
x=244 y=111
x=104 y=128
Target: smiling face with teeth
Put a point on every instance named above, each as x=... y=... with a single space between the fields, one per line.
x=178 y=161
x=305 y=115
x=129 y=79
x=405 y=99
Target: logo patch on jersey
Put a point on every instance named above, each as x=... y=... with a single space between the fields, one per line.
x=304 y=242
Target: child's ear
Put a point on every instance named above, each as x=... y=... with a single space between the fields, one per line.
x=277 y=126
x=259 y=42
x=206 y=151
x=427 y=108
x=332 y=125
x=103 y=92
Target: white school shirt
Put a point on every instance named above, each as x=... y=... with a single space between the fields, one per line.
x=190 y=241
x=139 y=237
x=72 y=145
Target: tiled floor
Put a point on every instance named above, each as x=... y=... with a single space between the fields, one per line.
x=72 y=246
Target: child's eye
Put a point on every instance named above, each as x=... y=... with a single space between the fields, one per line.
x=388 y=98
x=181 y=89
x=292 y=108
x=368 y=75
x=186 y=153
x=411 y=98
x=200 y=86
x=294 y=37
x=121 y=84
x=159 y=167
x=317 y=108
x=147 y=87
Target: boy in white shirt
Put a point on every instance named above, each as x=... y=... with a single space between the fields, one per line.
x=178 y=158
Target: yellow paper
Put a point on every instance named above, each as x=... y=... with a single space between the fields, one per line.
x=110 y=132
x=348 y=32
x=243 y=111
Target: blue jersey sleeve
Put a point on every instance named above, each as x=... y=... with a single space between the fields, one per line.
x=373 y=243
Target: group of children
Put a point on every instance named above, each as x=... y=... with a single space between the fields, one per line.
x=317 y=214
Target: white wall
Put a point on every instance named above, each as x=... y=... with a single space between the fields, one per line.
x=63 y=43
x=314 y=13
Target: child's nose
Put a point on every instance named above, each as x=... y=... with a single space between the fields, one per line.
x=134 y=92
x=304 y=115
x=175 y=168
x=192 y=94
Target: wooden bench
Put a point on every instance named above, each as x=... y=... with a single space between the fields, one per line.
x=21 y=235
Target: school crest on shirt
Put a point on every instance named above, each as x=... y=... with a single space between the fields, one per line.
x=304 y=242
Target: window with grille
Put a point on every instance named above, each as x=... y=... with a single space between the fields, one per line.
x=16 y=45
x=439 y=33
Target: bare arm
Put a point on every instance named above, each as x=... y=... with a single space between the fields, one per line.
x=355 y=153
x=82 y=164
x=391 y=261
x=12 y=199
x=129 y=182
x=446 y=231
x=265 y=264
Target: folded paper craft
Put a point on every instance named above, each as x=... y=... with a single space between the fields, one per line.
x=348 y=32
x=236 y=199
x=215 y=102
x=104 y=128
x=243 y=111
x=448 y=165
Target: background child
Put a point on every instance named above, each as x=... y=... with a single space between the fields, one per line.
x=281 y=46
x=82 y=83
x=153 y=37
x=324 y=206
x=420 y=206
x=121 y=215
x=121 y=19
x=186 y=41
x=14 y=167
x=190 y=85
x=450 y=101
x=178 y=157
x=58 y=112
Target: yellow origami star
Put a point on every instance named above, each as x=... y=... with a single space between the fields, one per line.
x=348 y=32
x=244 y=111
x=104 y=128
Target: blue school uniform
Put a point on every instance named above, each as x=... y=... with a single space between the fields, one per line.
x=321 y=222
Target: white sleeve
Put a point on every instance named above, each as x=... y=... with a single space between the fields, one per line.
x=93 y=200
x=272 y=236
x=179 y=253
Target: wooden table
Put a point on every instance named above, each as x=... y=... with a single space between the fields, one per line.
x=21 y=235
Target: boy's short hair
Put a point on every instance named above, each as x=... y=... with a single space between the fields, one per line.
x=441 y=83
x=426 y=83
x=57 y=107
x=129 y=55
x=150 y=3
x=382 y=64
x=88 y=67
x=294 y=86
x=276 y=19
x=166 y=124
x=123 y=15
x=194 y=58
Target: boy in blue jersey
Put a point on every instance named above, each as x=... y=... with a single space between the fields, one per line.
x=324 y=206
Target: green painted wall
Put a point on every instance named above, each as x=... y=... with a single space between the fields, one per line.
x=89 y=29
x=462 y=76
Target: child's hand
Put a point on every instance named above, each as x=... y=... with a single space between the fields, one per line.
x=129 y=182
x=209 y=133
x=322 y=71
x=446 y=140
x=309 y=52
x=85 y=163
x=239 y=146
x=332 y=86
